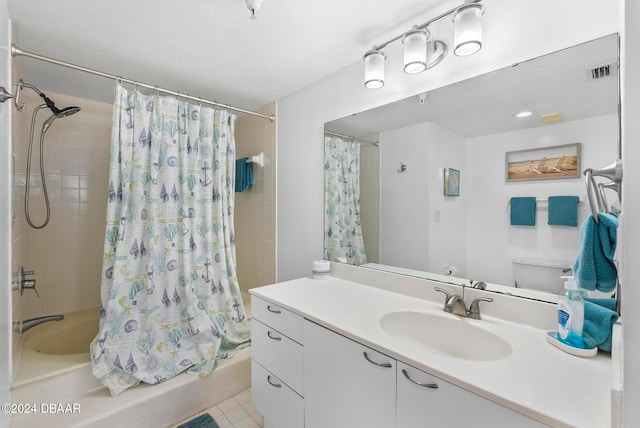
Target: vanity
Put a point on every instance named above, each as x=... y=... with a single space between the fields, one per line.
x=375 y=349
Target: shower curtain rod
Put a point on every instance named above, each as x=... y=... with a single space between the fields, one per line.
x=15 y=51
x=335 y=134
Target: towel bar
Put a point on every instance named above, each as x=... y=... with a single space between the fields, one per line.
x=538 y=200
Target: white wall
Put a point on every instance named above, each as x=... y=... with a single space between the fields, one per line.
x=420 y=227
x=512 y=34
x=629 y=224
x=404 y=231
x=5 y=212
x=488 y=227
x=447 y=214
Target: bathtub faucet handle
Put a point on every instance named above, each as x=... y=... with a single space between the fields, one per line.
x=29 y=284
x=21 y=283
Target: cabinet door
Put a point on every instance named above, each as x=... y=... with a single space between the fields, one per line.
x=427 y=401
x=346 y=384
x=279 y=404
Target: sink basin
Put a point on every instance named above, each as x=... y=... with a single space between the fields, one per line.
x=446 y=335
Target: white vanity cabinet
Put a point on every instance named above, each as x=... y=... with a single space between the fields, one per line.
x=276 y=366
x=346 y=384
x=427 y=401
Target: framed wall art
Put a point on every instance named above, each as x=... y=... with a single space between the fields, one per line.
x=544 y=163
x=451 y=182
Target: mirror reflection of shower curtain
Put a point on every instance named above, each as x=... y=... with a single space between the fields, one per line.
x=170 y=299
x=342 y=228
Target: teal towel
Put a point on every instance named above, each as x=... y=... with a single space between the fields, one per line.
x=599 y=318
x=244 y=174
x=523 y=211
x=594 y=268
x=563 y=210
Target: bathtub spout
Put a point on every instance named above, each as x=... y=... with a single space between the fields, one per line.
x=23 y=326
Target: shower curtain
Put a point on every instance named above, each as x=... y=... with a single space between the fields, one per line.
x=170 y=299
x=342 y=230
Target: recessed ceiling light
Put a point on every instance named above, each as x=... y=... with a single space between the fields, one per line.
x=523 y=114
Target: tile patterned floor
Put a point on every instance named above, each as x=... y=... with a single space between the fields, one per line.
x=235 y=412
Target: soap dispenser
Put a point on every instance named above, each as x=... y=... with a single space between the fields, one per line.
x=571 y=314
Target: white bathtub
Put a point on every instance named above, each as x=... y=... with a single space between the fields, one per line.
x=54 y=369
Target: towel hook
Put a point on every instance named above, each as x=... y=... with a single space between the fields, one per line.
x=403 y=167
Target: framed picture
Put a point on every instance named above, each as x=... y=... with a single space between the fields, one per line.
x=451 y=182
x=544 y=163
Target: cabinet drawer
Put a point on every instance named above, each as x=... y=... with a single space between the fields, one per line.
x=278 y=404
x=279 y=354
x=286 y=322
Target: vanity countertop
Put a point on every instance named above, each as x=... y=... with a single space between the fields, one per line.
x=537 y=379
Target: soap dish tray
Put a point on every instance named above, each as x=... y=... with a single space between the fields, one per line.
x=552 y=338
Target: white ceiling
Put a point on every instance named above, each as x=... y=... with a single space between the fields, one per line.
x=485 y=105
x=206 y=48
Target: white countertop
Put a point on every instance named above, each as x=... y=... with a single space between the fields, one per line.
x=537 y=379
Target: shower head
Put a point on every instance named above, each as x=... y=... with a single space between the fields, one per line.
x=67 y=111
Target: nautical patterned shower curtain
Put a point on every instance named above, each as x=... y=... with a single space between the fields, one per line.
x=170 y=299
x=343 y=232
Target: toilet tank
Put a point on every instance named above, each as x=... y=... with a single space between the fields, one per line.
x=541 y=274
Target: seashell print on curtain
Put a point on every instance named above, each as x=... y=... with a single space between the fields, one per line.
x=170 y=300
x=342 y=229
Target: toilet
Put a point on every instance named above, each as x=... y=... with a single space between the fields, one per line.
x=541 y=274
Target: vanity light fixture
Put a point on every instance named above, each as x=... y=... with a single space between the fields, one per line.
x=467 y=30
x=421 y=50
x=374 y=69
x=415 y=50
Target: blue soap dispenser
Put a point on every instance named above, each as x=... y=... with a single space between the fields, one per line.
x=571 y=315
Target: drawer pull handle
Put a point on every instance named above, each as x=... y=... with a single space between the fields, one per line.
x=273 y=337
x=386 y=365
x=277 y=385
x=425 y=385
x=275 y=311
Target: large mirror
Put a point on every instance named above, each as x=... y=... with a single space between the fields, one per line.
x=409 y=150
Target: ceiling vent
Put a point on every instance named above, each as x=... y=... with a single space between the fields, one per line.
x=602 y=71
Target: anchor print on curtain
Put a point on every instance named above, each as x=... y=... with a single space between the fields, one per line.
x=170 y=300
x=342 y=229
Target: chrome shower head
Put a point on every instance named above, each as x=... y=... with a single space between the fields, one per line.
x=67 y=111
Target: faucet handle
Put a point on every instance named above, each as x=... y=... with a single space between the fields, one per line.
x=474 y=308
x=442 y=290
x=446 y=293
x=29 y=284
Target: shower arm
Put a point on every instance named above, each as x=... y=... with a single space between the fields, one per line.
x=20 y=106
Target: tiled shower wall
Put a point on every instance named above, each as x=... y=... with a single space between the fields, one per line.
x=255 y=211
x=66 y=255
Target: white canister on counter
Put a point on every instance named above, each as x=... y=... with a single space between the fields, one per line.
x=321 y=269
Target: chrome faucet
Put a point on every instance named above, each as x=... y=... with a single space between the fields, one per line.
x=478 y=284
x=21 y=283
x=22 y=326
x=455 y=304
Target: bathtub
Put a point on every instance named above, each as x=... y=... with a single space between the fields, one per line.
x=54 y=370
